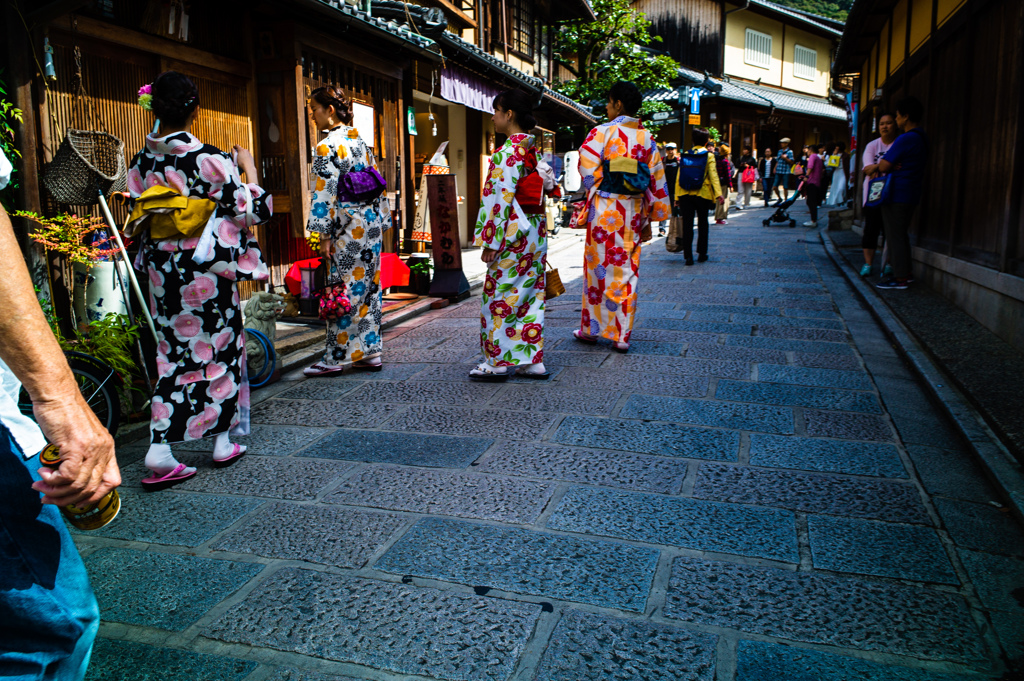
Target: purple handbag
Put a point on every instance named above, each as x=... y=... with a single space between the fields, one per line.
x=361 y=186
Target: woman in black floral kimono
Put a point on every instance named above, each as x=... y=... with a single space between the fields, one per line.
x=202 y=388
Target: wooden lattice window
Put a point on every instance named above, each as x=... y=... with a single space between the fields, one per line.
x=521 y=27
x=758 y=49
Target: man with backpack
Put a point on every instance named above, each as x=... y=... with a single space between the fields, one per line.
x=696 y=191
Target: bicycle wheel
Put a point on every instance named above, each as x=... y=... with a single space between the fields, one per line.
x=98 y=384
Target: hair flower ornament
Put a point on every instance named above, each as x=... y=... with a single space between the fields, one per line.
x=146 y=97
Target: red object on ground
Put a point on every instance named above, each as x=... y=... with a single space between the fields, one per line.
x=393 y=272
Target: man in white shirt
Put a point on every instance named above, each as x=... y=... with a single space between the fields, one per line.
x=48 y=614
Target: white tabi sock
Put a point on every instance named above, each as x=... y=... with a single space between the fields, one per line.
x=160 y=460
x=223 y=448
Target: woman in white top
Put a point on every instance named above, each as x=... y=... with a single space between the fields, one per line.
x=873 y=153
x=840 y=178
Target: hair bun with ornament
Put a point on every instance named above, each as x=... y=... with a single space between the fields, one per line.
x=146 y=96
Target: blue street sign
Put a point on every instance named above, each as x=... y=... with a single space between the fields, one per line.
x=695 y=100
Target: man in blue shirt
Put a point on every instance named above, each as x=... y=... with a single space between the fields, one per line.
x=906 y=161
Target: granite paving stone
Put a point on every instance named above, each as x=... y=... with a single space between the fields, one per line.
x=424 y=391
x=573 y=345
x=892 y=501
x=661 y=335
x=680 y=366
x=665 y=439
x=126 y=661
x=342 y=537
x=700 y=327
x=642 y=347
x=687 y=523
x=798 y=333
x=439 y=451
x=868 y=547
x=848 y=426
x=318 y=390
x=646 y=310
x=997 y=579
x=459 y=373
x=424 y=356
x=951 y=473
x=496 y=423
x=587 y=466
x=415 y=630
x=827 y=456
x=163 y=590
x=821 y=348
x=981 y=527
x=174 y=518
x=390 y=372
x=650 y=383
x=709 y=413
x=304 y=675
x=557 y=398
x=816 y=314
x=724 y=352
x=821 y=378
x=322 y=413
x=563 y=358
x=762 y=661
x=590 y=647
x=826 y=361
x=789 y=322
x=832 y=610
x=450 y=493
x=730 y=309
x=262 y=440
x=588 y=571
x=798 y=395
x=1009 y=628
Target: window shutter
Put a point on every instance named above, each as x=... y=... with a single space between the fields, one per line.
x=758 y=50
x=805 y=63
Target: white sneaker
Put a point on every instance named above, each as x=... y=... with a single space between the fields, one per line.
x=810 y=223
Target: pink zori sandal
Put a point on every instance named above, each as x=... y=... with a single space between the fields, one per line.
x=236 y=454
x=157 y=482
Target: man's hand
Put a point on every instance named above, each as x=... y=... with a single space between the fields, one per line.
x=88 y=469
x=720 y=199
x=488 y=256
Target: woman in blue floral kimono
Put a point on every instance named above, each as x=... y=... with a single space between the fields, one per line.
x=350 y=238
x=515 y=250
x=202 y=388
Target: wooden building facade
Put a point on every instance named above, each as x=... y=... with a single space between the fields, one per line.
x=964 y=59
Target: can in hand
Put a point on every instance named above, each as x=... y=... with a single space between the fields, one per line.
x=83 y=517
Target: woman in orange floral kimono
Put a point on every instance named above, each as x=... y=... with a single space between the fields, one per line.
x=619 y=205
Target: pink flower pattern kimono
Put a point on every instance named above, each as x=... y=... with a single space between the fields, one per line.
x=512 y=317
x=201 y=389
x=614 y=222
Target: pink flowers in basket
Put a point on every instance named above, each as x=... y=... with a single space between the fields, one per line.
x=334 y=303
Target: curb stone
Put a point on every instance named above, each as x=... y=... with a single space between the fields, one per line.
x=1000 y=466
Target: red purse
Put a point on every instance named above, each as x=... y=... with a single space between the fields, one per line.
x=530 y=188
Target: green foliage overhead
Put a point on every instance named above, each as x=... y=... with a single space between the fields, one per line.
x=833 y=9
x=9 y=115
x=609 y=50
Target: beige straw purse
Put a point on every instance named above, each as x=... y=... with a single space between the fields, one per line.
x=552 y=283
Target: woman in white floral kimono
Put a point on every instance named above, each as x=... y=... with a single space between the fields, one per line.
x=350 y=238
x=201 y=389
x=515 y=250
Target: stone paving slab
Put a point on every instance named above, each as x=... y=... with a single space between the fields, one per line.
x=459 y=373
x=868 y=547
x=262 y=440
x=415 y=630
x=788 y=322
x=831 y=610
x=642 y=347
x=425 y=356
x=305 y=675
x=951 y=472
x=826 y=361
x=440 y=451
x=848 y=426
x=680 y=366
x=127 y=661
x=462 y=393
x=497 y=423
x=318 y=390
x=820 y=378
x=708 y=413
x=587 y=466
x=391 y=372
x=572 y=358
x=813 y=314
x=666 y=439
x=981 y=527
x=786 y=345
x=827 y=456
x=761 y=661
x=812 y=493
x=342 y=537
x=522 y=561
x=723 y=352
x=163 y=590
x=557 y=398
x=997 y=579
x=798 y=396
x=174 y=518
x=798 y=333
x=686 y=523
x=589 y=647
x=448 y=493
x=646 y=382
x=699 y=327
x=322 y=413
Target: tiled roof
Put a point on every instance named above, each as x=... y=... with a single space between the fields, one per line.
x=378 y=25
x=583 y=111
x=455 y=42
x=799 y=16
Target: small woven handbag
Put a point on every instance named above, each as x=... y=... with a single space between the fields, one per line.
x=552 y=283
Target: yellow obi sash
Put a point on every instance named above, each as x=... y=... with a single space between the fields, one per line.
x=169 y=215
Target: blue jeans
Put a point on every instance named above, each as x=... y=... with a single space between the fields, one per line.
x=48 y=614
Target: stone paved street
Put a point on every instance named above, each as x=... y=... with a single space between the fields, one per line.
x=759 y=491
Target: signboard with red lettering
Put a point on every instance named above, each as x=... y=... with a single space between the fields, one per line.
x=443 y=201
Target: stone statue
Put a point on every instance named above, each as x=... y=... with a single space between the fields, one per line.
x=261 y=314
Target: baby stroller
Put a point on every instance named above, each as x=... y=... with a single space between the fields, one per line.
x=781 y=215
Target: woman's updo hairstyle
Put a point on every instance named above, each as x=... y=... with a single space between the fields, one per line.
x=175 y=97
x=629 y=94
x=519 y=103
x=334 y=96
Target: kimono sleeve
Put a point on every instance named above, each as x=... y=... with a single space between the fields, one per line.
x=497 y=217
x=323 y=210
x=591 y=155
x=237 y=197
x=656 y=202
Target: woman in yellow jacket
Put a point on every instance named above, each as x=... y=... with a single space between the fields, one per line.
x=697 y=189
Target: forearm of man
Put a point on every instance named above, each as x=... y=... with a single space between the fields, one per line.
x=29 y=348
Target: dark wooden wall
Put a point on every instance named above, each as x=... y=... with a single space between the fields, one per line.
x=691 y=31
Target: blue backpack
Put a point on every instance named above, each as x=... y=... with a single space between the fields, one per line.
x=692 y=168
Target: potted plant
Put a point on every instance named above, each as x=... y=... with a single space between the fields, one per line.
x=420 y=268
